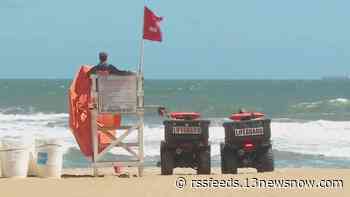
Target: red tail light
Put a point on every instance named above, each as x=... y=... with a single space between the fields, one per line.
x=249 y=146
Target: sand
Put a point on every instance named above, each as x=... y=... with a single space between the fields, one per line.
x=79 y=183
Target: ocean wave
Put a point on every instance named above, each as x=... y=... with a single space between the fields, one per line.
x=33 y=117
x=37 y=126
x=330 y=106
x=284 y=159
x=319 y=138
x=17 y=110
x=339 y=101
x=328 y=138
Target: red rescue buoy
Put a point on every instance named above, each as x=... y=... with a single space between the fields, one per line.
x=246 y=116
x=185 y=115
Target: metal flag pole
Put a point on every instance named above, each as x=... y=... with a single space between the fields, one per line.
x=140 y=68
x=140 y=96
x=142 y=53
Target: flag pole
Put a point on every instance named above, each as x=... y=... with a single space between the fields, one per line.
x=140 y=103
x=142 y=53
x=140 y=76
x=140 y=69
x=142 y=50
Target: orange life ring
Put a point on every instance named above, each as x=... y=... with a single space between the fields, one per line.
x=185 y=115
x=246 y=116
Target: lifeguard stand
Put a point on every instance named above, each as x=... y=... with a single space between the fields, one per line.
x=124 y=95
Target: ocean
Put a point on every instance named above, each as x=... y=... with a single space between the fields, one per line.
x=310 y=118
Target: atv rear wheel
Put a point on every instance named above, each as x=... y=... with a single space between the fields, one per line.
x=223 y=164
x=265 y=162
x=204 y=162
x=229 y=161
x=166 y=160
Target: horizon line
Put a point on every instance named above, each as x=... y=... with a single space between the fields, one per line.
x=214 y=79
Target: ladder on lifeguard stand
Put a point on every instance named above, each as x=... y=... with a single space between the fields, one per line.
x=124 y=95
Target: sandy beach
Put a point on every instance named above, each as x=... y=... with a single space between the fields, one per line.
x=79 y=183
x=164 y=84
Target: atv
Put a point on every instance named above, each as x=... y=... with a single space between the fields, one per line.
x=185 y=143
x=247 y=143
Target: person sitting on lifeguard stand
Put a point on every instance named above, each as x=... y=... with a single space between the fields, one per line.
x=104 y=67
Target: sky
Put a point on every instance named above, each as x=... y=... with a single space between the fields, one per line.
x=226 y=39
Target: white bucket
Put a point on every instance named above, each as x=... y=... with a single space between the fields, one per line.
x=49 y=158
x=14 y=157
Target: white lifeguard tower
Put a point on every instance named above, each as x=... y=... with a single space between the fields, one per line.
x=124 y=95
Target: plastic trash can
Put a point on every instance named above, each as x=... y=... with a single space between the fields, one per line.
x=49 y=158
x=14 y=154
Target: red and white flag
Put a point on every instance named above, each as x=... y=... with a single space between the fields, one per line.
x=151 y=26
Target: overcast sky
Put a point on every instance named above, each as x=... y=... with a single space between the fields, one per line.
x=223 y=39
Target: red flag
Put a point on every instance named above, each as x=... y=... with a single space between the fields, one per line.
x=151 y=26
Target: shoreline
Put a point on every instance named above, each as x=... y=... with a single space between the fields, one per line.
x=79 y=182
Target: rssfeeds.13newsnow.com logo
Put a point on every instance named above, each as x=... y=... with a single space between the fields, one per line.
x=210 y=182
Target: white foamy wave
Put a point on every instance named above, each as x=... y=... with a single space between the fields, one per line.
x=328 y=138
x=36 y=126
x=32 y=117
x=339 y=100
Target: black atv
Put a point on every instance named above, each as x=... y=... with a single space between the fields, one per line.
x=247 y=143
x=186 y=143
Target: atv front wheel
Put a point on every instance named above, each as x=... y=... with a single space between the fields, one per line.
x=229 y=161
x=166 y=160
x=204 y=162
x=222 y=155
